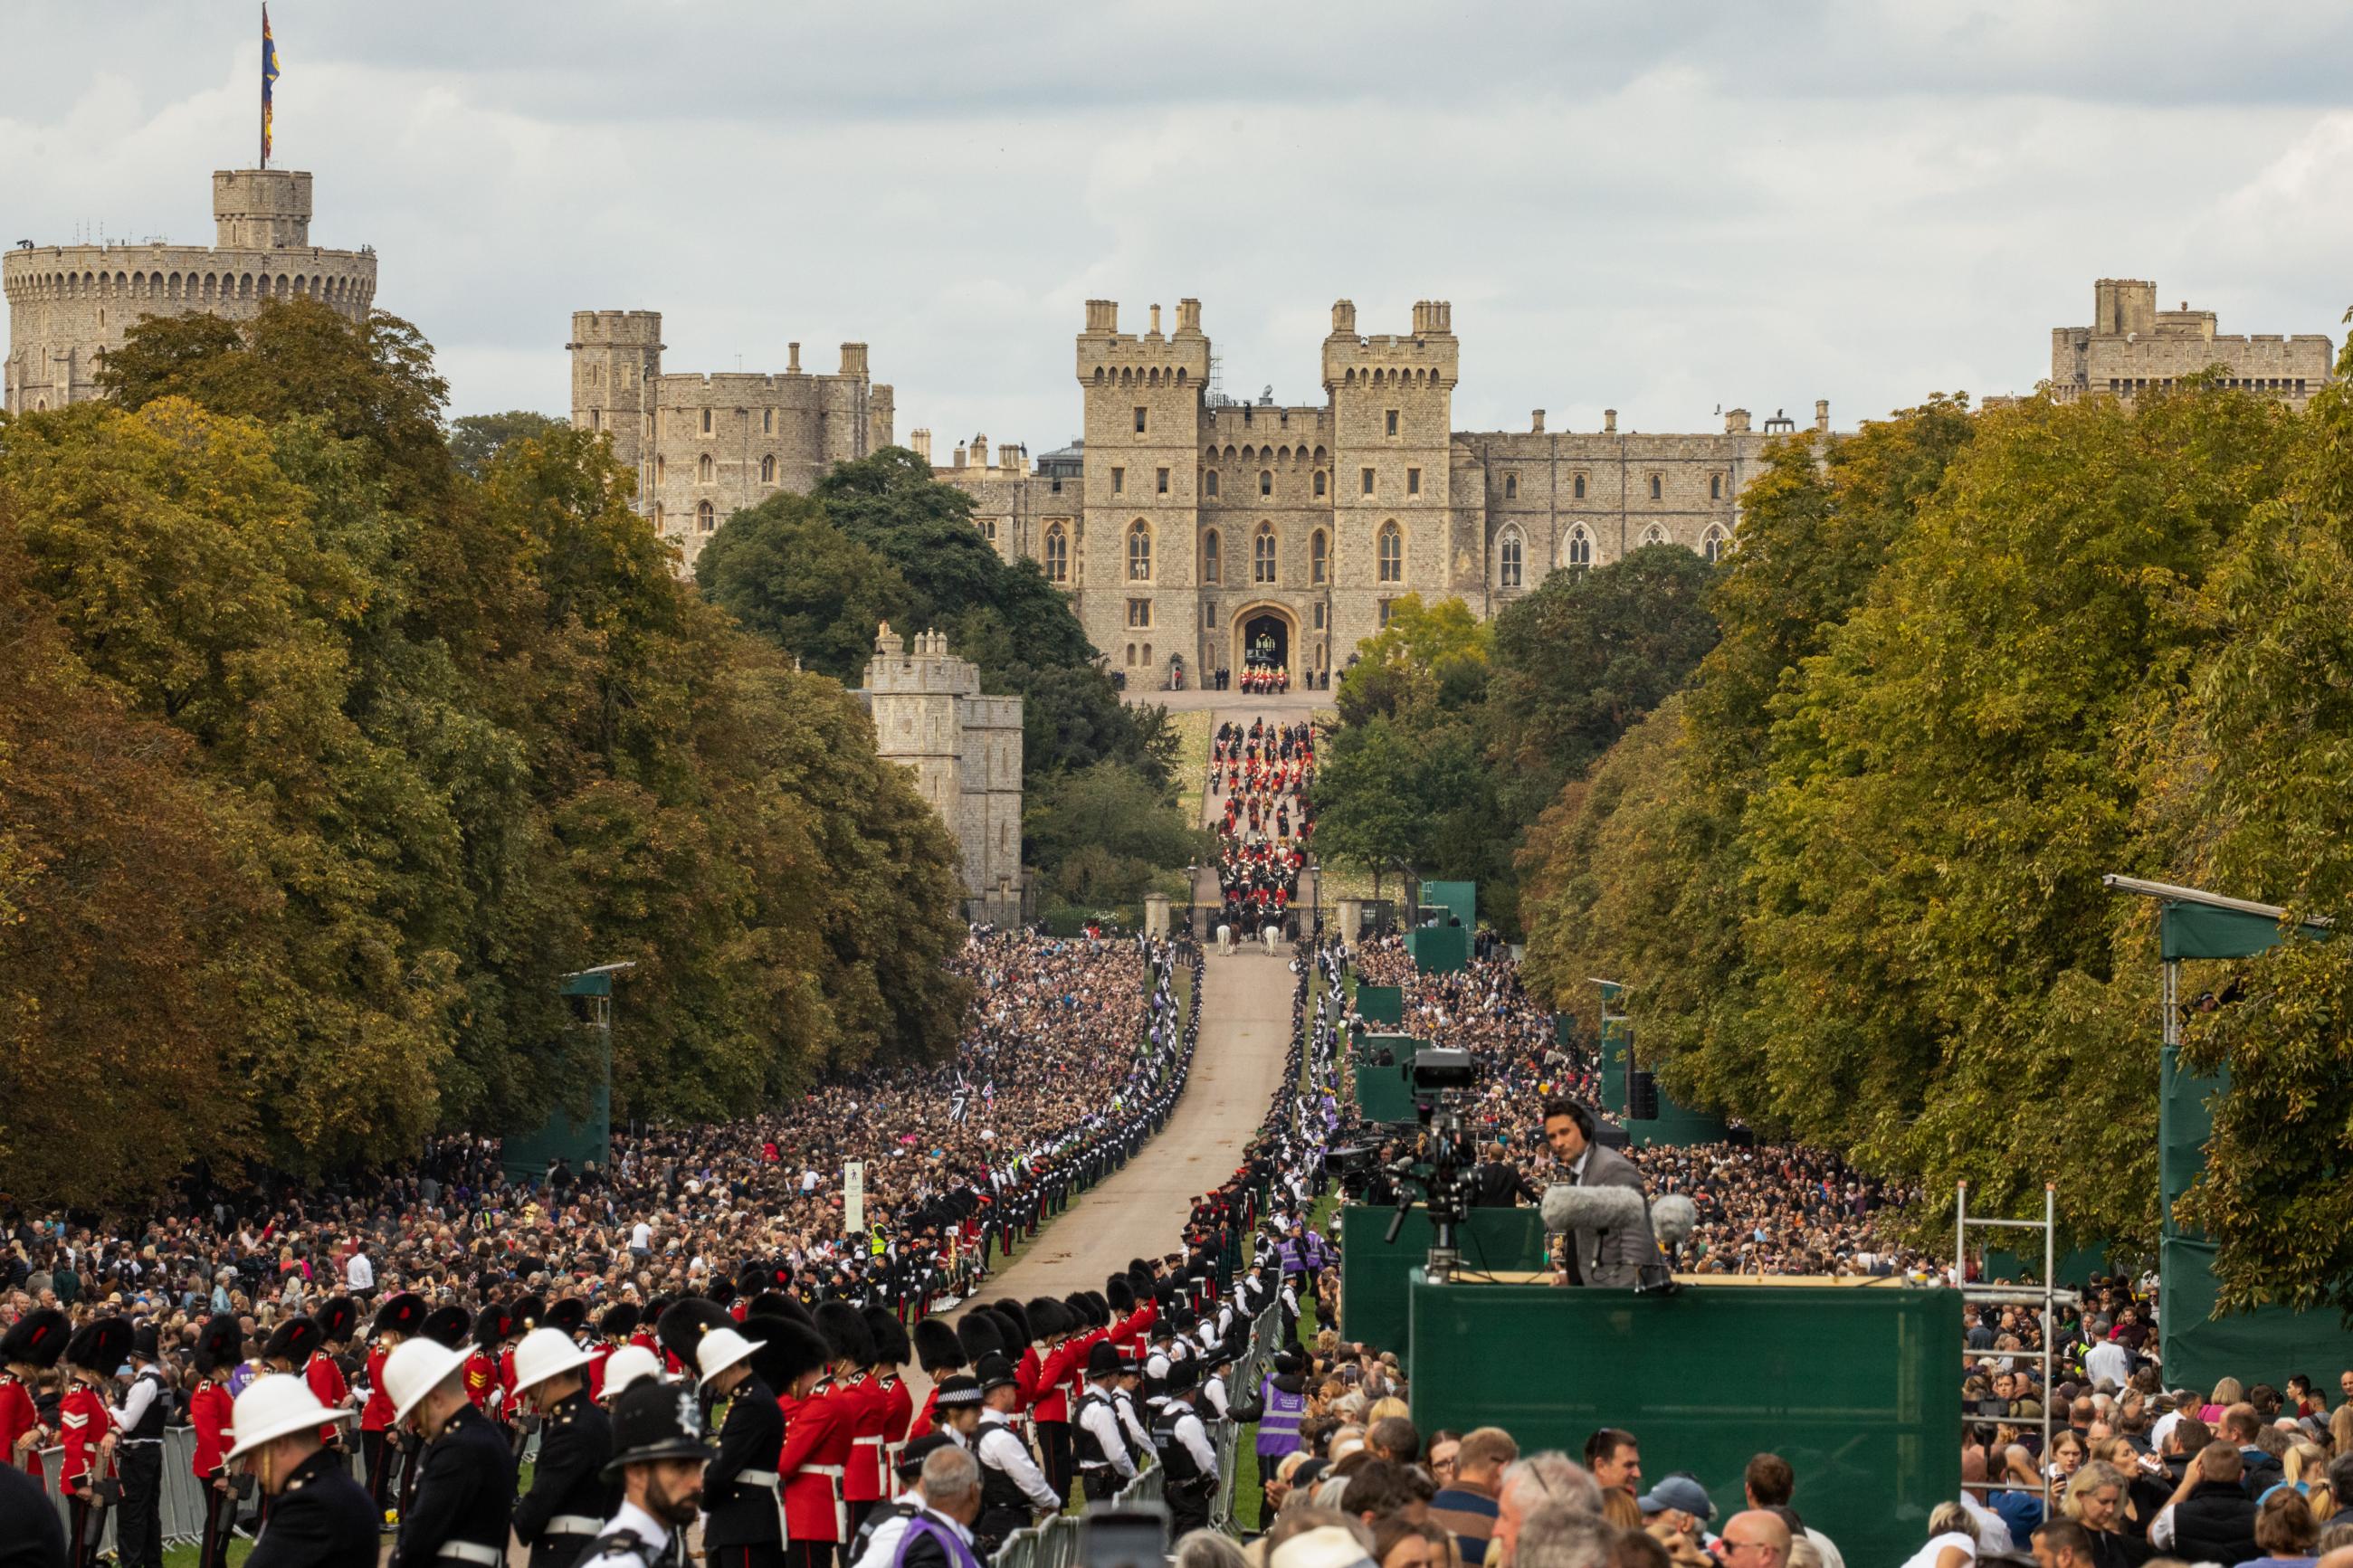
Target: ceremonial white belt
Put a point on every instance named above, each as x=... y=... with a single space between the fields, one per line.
x=841 y=1507
x=874 y=1442
x=775 y=1485
x=488 y=1556
x=575 y=1524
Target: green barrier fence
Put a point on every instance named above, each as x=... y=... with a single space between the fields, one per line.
x=1385 y=1094
x=1439 y=950
x=1459 y=899
x=1401 y=1048
x=1373 y=1273
x=1854 y=1387
x=1381 y=1004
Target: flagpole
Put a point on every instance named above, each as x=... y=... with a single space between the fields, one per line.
x=263 y=125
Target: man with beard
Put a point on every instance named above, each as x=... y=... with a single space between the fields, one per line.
x=658 y=1454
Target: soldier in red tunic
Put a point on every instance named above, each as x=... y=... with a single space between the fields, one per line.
x=28 y=1350
x=881 y=1430
x=398 y=1319
x=493 y=1325
x=210 y=1411
x=92 y=1356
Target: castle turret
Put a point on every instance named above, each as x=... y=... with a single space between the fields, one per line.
x=1393 y=415
x=615 y=361
x=1140 y=534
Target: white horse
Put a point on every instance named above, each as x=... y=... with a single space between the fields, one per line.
x=1225 y=942
x=1273 y=934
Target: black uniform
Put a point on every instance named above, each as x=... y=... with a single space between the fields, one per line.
x=569 y=1500
x=138 y=1460
x=322 y=1520
x=740 y=1528
x=465 y=1493
x=1187 y=1488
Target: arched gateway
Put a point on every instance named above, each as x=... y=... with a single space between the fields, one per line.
x=1265 y=636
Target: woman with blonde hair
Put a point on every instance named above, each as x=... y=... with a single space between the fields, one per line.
x=2227 y=1391
x=1952 y=1540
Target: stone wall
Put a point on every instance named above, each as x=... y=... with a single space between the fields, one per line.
x=70 y=306
x=965 y=751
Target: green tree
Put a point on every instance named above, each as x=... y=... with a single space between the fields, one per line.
x=475 y=438
x=1098 y=833
x=1578 y=662
x=790 y=577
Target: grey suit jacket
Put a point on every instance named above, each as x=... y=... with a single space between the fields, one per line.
x=1612 y=1257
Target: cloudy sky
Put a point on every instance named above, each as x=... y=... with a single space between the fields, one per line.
x=1659 y=209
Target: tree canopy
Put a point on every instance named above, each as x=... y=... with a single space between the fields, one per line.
x=353 y=752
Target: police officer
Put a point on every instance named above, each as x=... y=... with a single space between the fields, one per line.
x=658 y=1458
x=139 y=1457
x=466 y=1476
x=318 y=1516
x=1012 y=1488
x=570 y=1498
x=1185 y=1454
x=1104 y=1462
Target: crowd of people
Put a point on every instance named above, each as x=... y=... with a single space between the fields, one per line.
x=1265 y=774
x=1074 y=1055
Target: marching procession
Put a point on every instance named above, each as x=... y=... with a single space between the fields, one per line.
x=1265 y=773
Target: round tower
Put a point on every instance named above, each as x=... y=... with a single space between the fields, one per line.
x=70 y=305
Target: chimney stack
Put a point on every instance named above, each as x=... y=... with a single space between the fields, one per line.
x=1609 y=422
x=792 y=359
x=1823 y=415
x=1155 y=321
x=920 y=443
x=1535 y=421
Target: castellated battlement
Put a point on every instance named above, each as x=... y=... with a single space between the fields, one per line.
x=631 y=329
x=963 y=752
x=1106 y=354
x=1431 y=354
x=71 y=305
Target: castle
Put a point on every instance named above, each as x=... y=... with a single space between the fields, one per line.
x=1195 y=528
x=2132 y=346
x=965 y=750
x=70 y=305
x=705 y=446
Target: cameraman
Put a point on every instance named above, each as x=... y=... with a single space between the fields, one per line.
x=1612 y=1257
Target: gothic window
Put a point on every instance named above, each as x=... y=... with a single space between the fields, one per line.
x=767 y=421
x=1319 y=614
x=1578 y=551
x=1209 y=618
x=1715 y=486
x=1508 y=560
x=1213 y=566
x=1266 y=481
x=1058 y=555
x=1715 y=546
x=1139 y=552
x=1658 y=486
x=1654 y=534
x=706 y=421
x=1510 y=487
x=1386 y=605
x=1389 y=552
x=988 y=529
x=705 y=517
x=767 y=470
x=1209 y=482
x=1319 y=482
x=1365 y=479
x=1318 y=558
x=704 y=470
x=1413 y=481
x=1262 y=554
x=1577 y=487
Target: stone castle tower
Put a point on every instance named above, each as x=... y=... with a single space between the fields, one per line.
x=70 y=306
x=965 y=750
x=705 y=446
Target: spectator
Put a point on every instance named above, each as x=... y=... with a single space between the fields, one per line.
x=2210 y=1517
x=2285 y=1531
x=1466 y=1509
x=1558 y=1536
x=1952 y=1540
x=2063 y=1543
x=1533 y=1482
x=1615 y=1457
x=1769 y=1482
x=1383 y=1489
x=1756 y=1539
x=1399 y=1543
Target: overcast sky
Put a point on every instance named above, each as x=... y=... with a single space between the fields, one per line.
x=1657 y=208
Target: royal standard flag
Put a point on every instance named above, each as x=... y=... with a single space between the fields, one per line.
x=269 y=76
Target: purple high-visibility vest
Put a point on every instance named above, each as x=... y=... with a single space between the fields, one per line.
x=959 y=1554
x=1278 y=1427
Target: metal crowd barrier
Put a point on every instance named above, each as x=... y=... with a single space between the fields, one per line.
x=184 y=1496
x=1056 y=1543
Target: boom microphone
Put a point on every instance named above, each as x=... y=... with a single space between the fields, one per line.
x=1672 y=1220
x=1567 y=1209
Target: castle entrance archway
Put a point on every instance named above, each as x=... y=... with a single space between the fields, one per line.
x=1265 y=636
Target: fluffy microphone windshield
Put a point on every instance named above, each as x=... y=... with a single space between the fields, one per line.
x=1672 y=1219
x=1591 y=1208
